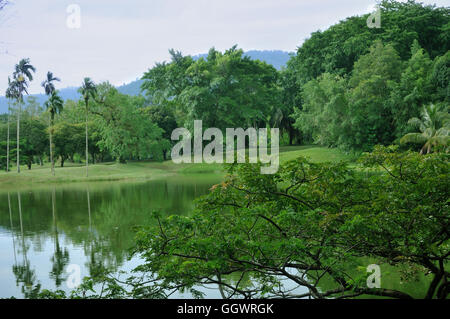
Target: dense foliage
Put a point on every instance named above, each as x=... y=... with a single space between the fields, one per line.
x=336 y=49
x=355 y=87
x=223 y=90
x=306 y=231
x=308 y=223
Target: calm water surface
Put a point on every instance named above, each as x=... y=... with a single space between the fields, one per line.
x=44 y=231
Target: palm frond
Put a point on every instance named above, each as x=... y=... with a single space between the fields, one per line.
x=416 y=122
x=416 y=138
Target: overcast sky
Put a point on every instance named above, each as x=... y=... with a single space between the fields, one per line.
x=120 y=39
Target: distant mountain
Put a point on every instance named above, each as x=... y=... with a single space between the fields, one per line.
x=132 y=88
x=277 y=58
x=71 y=93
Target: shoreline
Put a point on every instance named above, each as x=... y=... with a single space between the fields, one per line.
x=72 y=174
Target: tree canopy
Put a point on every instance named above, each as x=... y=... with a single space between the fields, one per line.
x=264 y=235
x=224 y=89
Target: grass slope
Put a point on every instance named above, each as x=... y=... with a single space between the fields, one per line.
x=145 y=170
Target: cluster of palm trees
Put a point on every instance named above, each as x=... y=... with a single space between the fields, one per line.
x=17 y=87
x=434 y=127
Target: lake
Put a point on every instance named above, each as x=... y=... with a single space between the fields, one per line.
x=43 y=231
x=46 y=228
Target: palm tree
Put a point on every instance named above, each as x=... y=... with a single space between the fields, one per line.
x=53 y=108
x=22 y=75
x=434 y=126
x=11 y=93
x=54 y=105
x=48 y=85
x=88 y=90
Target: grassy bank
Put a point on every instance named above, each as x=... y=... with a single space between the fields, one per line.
x=105 y=172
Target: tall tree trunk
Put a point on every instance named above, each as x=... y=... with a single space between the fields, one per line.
x=7 y=143
x=18 y=136
x=51 y=145
x=87 y=150
x=291 y=136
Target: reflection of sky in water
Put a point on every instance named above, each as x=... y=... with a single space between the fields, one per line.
x=40 y=262
x=114 y=211
x=106 y=229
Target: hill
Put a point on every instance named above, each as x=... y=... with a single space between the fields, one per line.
x=277 y=58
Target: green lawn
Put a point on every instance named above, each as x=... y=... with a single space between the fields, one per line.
x=145 y=170
x=314 y=153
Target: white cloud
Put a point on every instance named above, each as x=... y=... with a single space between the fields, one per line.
x=119 y=39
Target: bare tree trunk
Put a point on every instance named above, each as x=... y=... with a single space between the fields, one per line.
x=87 y=150
x=51 y=147
x=18 y=136
x=7 y=143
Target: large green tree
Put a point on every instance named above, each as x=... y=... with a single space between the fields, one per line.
x=413 y=90
x=69 y=140
x=163 y=115
x=290 y=101
x=440 y=78
x=125 y=130
x=353 y=112
x=323 y=115
x=264 y=235
x=336 y=49
x=33 y=142
x=224 y=89
x=369 y=115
